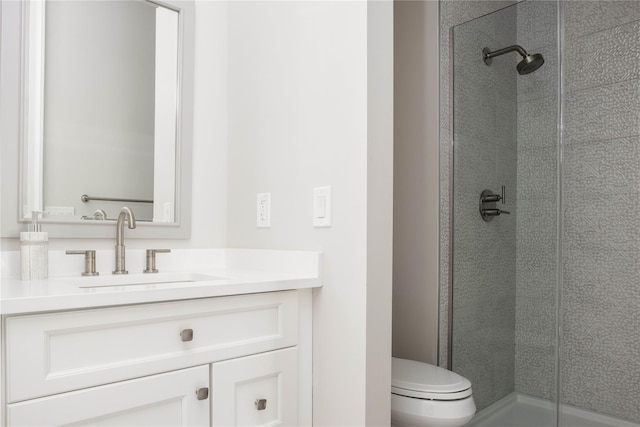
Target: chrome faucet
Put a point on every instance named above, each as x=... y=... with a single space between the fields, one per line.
x=125 y=214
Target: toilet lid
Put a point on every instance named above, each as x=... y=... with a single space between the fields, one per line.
x=422 y=380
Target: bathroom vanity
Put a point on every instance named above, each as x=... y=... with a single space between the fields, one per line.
x=223 y=346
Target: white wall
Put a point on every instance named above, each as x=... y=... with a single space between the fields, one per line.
x=302 y=104
x=416 y=196
x=379 y=209
x=209 y=164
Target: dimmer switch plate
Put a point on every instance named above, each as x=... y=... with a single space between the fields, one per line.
x=264 y=210
x=322 y=207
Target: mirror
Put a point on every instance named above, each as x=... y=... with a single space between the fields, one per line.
x=106 y=117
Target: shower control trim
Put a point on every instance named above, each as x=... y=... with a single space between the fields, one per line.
x=487 y=205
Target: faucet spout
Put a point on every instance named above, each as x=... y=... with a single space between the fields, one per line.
x=126 y=214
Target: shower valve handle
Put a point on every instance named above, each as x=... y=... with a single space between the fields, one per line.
x=491 y=198
x=494 y=212
x=488 y=202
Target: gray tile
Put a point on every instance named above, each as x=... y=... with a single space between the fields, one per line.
x=458 y=11
x=533 y=282
x=538 y=123
x=539 y=251
x=602 y=222
x=461 y=11
x=536 y=319
x=497 y=78
x=593 y=273
x=587 y=17
x=603 y=58
x=485 y=355
x=474 y=110
x=537 y=173
x=602 y=168
x=537 y=24
x=474 y=166
x=544 y=341
x=506 y=127
x=535 y=370
x=536 y=250
x=605 y=112
x=535 y=345
x=601 y=385
x=604 y=328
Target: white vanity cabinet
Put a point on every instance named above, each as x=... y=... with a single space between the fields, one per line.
x=236 y=359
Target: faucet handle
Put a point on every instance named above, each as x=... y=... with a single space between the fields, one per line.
x=151 y=259
x=89 y=261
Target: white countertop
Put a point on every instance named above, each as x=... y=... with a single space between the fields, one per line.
x=234 y=271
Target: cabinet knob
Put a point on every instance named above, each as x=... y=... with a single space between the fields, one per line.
x=202 y=393
x=186 y=335
x=261 y=404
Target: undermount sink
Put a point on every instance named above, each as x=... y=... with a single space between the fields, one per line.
x=141 y=279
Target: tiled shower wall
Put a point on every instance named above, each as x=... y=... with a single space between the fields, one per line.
x=600 y=345
x=600 y=367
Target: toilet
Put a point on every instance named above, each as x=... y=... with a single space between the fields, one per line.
x=430 y=396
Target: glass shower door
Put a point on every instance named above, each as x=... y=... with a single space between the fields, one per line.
x=504 y=208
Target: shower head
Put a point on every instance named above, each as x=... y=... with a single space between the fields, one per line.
x=529 y=63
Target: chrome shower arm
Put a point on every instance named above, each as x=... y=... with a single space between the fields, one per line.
x=529 y=63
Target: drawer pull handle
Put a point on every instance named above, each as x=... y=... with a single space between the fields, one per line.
x=186 y=335
x=261 y=404
x=202 y=393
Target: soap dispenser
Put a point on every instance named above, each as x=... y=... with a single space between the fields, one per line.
x=34 y=250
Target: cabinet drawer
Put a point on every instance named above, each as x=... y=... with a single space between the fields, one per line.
x=159 y=400
x=56 y=352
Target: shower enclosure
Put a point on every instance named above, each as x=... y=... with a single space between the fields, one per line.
x=542 y=292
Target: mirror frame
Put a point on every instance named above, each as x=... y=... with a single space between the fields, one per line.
x=57 y=228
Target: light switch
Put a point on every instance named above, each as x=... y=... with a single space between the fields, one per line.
x=322 y=206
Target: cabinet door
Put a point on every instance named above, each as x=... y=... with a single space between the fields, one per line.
x=258 y=390
x=161 y=400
